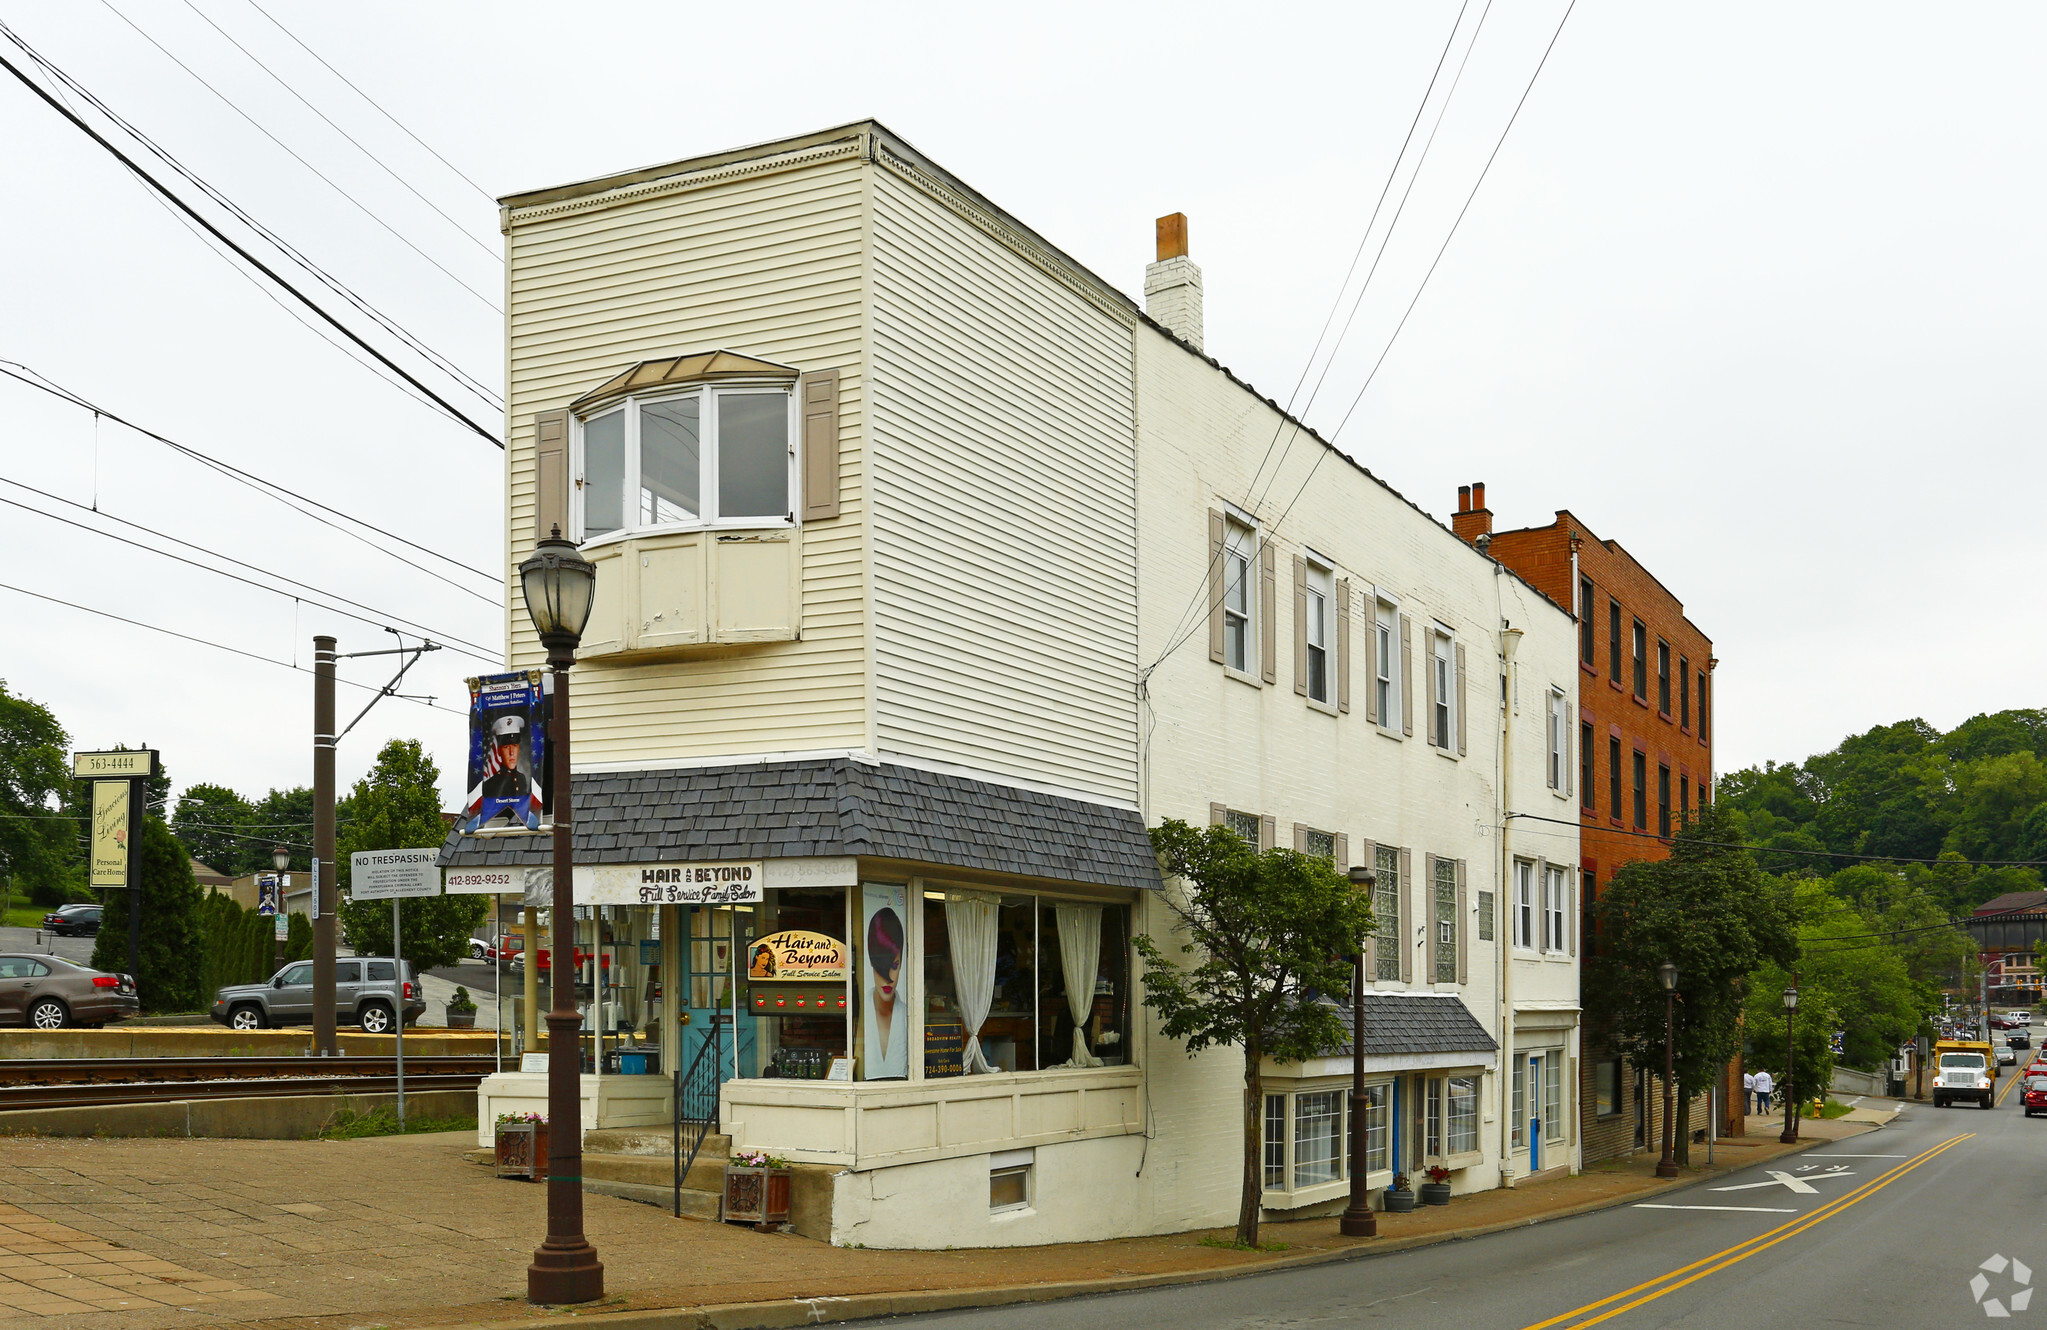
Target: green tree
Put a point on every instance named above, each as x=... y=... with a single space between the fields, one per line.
x=1709 y=911
x=211 y=822
x=1267 y=934
x=286 y=817
x=1813 y=1031
x=170 y=954
x=397 y=806
x=38 y=845
x=1860 y=973
x=1997 y=794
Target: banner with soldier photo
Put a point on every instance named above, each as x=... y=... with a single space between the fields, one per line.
x=507 y=753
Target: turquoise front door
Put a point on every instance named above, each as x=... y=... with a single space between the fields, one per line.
x=710 y=935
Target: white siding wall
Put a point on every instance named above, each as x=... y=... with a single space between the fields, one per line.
x=1266 y=750
x=767 y=264
x=1004 y=584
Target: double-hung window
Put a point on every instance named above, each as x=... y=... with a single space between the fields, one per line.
x=1320 y=631
x=1613 y=641
x=1663 y=677
x=1684 y=692
x=1444 y=889
x=1240 y=554
x=1641 y=660
x=1585 y=796
x=1554 y=889
x=1463 y=1114
x=1641 y=791
x=1613 y=777
x=1523 y=909
x=1662 y=800
x=1386 y=664
x=1585 y=652
x=1247 y=825
x=1559 y=742
x=1386 y=914
x=718 y=456
x=1443 y=670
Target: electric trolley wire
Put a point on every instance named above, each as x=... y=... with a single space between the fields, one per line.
x=219 y=646
x=1462 y=212
x=474 y=650
x=488 y=197
x=323 y=177
x=456 y=413
x=42 y=382
x=466 y=233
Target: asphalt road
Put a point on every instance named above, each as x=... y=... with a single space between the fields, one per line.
x=1885 y=1229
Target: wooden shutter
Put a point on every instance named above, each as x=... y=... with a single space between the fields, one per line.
x=1465 y=932
x=1406 y=917
x=551 y=474
x=1215 y=585
x=1343 y=644
x=1342 y=853
x=1268 y=612
x=1406 y=675
x=1300 y=838
x=1268 y=833
x=1372 y=657
x=1218 y=814
x=1541 y=940
x=1463 y=695
x=1432 y=920
x=1300 y=625
x=818 y=391
x=1564 y=749
x=1371 y=861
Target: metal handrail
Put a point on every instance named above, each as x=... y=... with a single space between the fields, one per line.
x=695 y=1088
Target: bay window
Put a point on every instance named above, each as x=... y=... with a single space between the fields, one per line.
x=709 y=456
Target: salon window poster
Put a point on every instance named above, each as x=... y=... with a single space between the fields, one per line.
x=884 y=1012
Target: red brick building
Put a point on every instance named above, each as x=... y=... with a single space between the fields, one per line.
x=1643 y=739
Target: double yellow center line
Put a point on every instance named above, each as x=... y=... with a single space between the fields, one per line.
x=1631 y=1298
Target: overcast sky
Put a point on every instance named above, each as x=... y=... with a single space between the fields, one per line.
x=1752 y=289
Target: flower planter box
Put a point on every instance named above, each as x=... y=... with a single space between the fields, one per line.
x=1398 y=1202
x=757 y=1196
x=521 y=1149
x=462 y=1020
x=1435 y=1193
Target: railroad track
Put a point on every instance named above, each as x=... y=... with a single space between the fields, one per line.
x=154 y=1071
x=94 y=1094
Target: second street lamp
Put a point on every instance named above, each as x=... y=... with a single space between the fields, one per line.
x=1358 y=1220
x=558 y=583
x=1790 y=1135
x=1666 y=974
x=280 y=858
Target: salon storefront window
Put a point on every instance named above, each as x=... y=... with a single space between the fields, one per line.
x=796 y=968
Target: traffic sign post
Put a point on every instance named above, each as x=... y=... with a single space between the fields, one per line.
x=395 y=874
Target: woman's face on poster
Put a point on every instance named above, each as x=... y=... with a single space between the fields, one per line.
x=886 y=971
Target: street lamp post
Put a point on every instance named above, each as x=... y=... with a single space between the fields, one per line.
x=558 y=583
x=1358 y=1220
x=1666 y=974
x=280 y=859
x=1790 y=1135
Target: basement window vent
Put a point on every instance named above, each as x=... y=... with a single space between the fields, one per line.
x=1009 y=1181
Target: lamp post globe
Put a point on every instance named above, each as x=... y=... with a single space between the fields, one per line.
x=280 y=858
x=1358 y=1220
x=559 y=584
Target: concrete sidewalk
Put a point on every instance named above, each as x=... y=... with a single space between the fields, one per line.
x=402 y=1232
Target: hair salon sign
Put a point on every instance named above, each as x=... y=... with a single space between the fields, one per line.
x=721 y=883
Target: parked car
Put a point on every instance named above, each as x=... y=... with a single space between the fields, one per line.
x=81 y=919
x=2033 y=1094
x=367 y=992
x=49 y=993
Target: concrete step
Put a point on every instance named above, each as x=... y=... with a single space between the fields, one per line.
x=695 y=1204
x=650 y=1141
x=706 y=1174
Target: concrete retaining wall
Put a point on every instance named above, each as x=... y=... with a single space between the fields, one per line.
x=1848 y=1081
x=263 y=1118
x=215 y=1041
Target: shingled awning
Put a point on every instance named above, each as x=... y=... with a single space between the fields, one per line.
x=835 y=807
x=1405 y=1024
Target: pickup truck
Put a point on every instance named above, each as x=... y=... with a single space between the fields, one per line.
x=1963 y=1069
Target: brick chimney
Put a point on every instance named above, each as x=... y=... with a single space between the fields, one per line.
x=1172 y=286
x=1473 y=518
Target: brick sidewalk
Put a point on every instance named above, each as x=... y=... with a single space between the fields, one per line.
x=133 y=1234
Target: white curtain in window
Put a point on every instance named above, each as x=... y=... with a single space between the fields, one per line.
x=1080 y=957
x=970 y=933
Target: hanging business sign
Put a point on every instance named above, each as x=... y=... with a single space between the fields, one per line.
x=378 y=875
x=715 y=883
x=796 y=957
x=122 y=764
x=507 y=754
x=110 y=802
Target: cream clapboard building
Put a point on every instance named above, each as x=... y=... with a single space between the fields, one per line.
x=930 y=576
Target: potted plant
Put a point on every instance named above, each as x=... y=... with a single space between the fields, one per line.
x=520 y=1145
x=1398 y=1199
x=1436 y=1191
x=757 y=1187
x=461 y=1011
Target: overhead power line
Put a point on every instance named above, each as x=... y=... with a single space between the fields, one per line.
x=486 y=194
x=269 y=488
x=217 y=646
x=162 y=189
x=1772 y=849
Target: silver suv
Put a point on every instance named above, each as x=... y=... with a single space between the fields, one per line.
x=366 y=993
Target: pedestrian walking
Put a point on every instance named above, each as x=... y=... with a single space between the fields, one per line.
x=1765 y=1083
x=1748 y=1092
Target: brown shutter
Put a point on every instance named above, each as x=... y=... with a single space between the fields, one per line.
x=1465 y=932
x=1268 y=612
x=551 y=474
x=1371 y=861
x=1217 y=814
x=1343 y=644
x=1342 y=853
x=1463 y=696
x=1372 y=657
x=1268 y=833
x=1215 y=585
x=1564 y=749
x=818 y=391
x=1300 y=838
x=1406 y=917
x=1300 y=625
x=1406 y=675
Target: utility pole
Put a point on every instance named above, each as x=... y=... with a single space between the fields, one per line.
x=325 y=895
